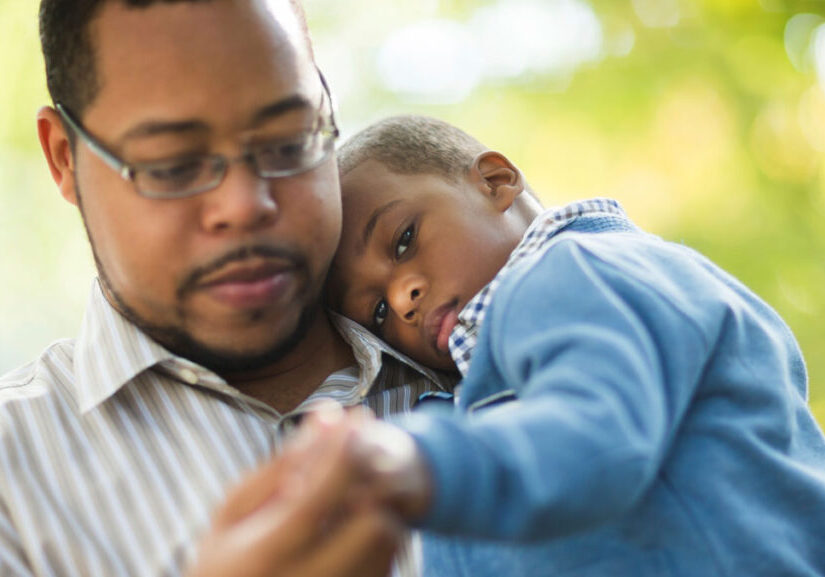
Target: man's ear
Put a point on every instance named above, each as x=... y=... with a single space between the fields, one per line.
x=57 y=149
x=498 y=178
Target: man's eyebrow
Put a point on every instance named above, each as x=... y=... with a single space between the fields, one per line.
x=279 y=108
x=369 y=228
x=160 y=127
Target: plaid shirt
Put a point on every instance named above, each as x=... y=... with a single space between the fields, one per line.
x=537 y=239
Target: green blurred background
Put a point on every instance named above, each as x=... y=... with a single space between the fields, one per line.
x=706 y=119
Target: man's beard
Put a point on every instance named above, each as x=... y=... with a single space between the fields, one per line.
x=177 y=340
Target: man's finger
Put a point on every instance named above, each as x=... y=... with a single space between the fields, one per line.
x=362 y=545
x=269 y=482
x=326 y=485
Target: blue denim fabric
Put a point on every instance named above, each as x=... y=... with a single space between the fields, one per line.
x=630 y=410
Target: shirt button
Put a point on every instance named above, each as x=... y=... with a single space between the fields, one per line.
x=189 y=376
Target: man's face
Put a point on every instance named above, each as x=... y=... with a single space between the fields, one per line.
x=228 y=276
x=414 y=250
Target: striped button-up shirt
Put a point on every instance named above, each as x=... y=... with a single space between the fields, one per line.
x=114 y=451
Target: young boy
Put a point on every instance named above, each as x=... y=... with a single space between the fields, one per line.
x=627 y=408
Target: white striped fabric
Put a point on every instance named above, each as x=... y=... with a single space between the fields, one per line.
x=113 y=452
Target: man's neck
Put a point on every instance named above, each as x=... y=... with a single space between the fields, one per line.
x=285 y=385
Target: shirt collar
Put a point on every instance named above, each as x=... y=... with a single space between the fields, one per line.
x=111 y=351
x=535 y=239
x=370 y=353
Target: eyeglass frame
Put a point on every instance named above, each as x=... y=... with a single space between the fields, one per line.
x=327 y=128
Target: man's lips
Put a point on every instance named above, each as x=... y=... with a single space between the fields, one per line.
x=250 y=283
x=440 y=324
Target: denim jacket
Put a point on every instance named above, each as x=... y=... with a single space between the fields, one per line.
x=630 y=410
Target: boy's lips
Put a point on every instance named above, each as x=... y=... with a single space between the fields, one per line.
x=440 y=324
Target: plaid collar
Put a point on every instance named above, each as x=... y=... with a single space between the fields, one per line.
x=537 y=238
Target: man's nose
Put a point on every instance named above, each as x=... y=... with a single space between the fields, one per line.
x=242 y=202
x=405 y=295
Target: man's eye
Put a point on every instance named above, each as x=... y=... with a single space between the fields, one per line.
x=280 y=152
x=379 y=314
x=404 y=241
x=178 y=173
x=286 y=149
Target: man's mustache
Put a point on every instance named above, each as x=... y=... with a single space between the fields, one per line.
x=190 y=284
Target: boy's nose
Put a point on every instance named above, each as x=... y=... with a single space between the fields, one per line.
x=405 y=295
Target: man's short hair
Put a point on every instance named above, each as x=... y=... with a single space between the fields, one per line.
x=69 y=52
x=411 y=144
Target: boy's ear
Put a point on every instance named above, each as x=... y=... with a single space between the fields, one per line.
x=498 y=178
x=58 y=151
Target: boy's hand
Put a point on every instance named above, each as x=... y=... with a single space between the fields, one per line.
x=393 y=471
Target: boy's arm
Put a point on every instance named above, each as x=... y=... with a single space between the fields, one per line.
x=604 y=365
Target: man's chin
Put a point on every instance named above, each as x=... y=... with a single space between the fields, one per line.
x=227 y=356
x=231 y=360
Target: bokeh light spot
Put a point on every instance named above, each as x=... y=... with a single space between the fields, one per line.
x=433 y=61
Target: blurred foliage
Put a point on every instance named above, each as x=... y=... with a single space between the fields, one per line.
x=710 y=131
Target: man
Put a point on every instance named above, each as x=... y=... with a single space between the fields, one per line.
x=196 y=139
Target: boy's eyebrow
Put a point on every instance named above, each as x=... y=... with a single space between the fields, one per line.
x=369 y=228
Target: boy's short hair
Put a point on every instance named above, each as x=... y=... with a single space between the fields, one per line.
x=411 y=144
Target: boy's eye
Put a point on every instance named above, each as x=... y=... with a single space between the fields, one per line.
x=379 y=314
x=404 y=241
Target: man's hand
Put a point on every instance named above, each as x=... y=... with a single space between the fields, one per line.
x=297 y=517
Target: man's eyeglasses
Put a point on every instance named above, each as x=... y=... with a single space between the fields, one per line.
x=185 y=177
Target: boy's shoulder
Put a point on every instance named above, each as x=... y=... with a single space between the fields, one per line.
x=633 y=253
x=634 y=267
x=623 y=250
x=597 y=228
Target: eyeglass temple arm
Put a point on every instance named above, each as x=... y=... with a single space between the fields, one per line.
x=117 y=165
x=333 y=104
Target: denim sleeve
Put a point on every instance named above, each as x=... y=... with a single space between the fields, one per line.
x=604 y=361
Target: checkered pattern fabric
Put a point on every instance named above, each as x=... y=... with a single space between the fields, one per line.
x=536 y=239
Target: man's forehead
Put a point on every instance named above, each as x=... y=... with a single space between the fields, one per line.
x=196 y=59
x=290 y=16
x=187 y=27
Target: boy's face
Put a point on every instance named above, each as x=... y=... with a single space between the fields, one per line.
x=415 y=249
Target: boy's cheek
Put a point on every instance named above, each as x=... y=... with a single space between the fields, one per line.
x=412 y=342
x=409 y=340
